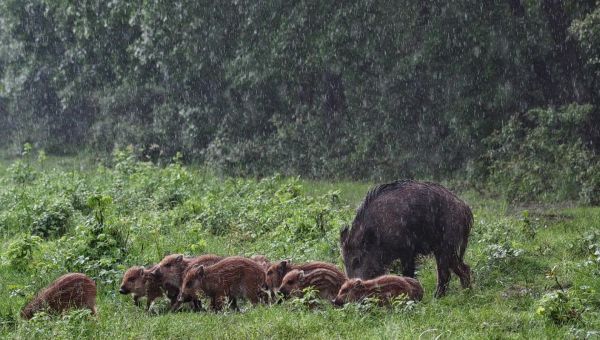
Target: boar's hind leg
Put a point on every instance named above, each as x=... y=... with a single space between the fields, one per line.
x=462 y=270
x=443 y=273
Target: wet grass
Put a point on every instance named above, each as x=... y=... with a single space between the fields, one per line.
x=515 y=262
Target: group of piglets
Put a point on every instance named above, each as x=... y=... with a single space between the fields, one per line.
x=255 y=279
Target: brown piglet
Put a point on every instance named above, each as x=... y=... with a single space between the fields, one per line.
x=138 y=282
x=170 y=272
x=326 y=282
x=233 y=277
x=73 y=290
x=277 y=271
x=262 y=260
x=385 y=288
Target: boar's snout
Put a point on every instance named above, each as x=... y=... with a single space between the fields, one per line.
x=123 y=290
x=338 y=302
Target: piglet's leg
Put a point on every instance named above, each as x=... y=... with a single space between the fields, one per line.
x=216 y=302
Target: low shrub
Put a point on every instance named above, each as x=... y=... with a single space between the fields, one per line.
x=540 y=156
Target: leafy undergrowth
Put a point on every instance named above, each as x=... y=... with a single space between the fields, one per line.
x=535 y=274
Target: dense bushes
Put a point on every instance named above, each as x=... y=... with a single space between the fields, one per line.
x=361 y=89
x=540 y=155
x=135 y=212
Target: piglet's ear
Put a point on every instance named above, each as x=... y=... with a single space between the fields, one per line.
x=286 y=263
x=301 y=275
x=359 y=283
x=201 y=270
x=141 y=271
x=179 y=258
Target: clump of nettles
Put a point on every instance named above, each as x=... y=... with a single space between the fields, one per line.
x=98 y=246
x=19 y=253
x=72 y=324
x=21 y=171
x=52 y=219
x=309 y=300
x=561 y=307
x=564 y=306
x=588 y=245
x=402 y=303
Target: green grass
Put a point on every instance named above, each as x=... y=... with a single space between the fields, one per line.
x=515 y=261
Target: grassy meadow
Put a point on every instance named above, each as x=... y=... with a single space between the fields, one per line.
x=535 y=269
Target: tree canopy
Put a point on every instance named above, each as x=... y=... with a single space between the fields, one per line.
x=357 y=89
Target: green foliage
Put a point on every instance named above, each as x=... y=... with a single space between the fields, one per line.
x=402 y=304
x=529 y=228
x=132 y=212
x=563 y=307
x=540 y=156
x=359 y=89
x=52 y=219
x=19 y=253
x=74 y=323
x=309 y=300
x=587 y=31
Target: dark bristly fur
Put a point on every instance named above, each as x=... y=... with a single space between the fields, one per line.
x=74 y=290
x=403 y=219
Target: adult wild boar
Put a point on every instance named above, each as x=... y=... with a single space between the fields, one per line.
x=403 y=219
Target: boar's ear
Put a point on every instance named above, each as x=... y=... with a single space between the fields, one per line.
x=179 y=258
x=344 y=234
